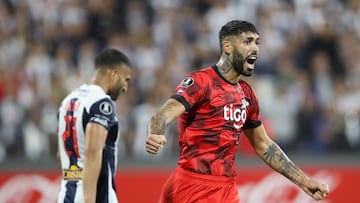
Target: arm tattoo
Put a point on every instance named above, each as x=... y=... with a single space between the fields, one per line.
x=157 y=124
x=160 y=120
x=277 y=160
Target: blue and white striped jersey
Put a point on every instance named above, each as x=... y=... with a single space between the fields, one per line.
x=88 y=103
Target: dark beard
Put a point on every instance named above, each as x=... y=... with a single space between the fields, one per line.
x=238 y=63
x=114 y=94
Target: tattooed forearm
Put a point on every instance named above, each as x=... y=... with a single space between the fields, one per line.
x=162 y=118
x=277 y=160
x=157 y=124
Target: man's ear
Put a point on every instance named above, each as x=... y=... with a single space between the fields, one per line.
x=227 y=47
x=114 y=72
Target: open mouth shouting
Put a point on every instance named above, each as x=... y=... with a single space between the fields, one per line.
x=251 y=59
x=250 y=62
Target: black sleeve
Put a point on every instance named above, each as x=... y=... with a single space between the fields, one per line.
x=102 y=112
x=182 y=100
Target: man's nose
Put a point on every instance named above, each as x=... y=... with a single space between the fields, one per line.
x=255 y=48
x=125 y=88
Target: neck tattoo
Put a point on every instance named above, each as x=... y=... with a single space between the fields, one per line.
x=224 y=65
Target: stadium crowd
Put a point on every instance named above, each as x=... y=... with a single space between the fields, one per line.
x=307 y=77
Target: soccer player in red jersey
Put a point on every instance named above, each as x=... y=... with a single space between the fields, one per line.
x=213 y=106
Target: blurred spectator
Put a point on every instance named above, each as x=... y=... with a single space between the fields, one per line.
x=36 y=142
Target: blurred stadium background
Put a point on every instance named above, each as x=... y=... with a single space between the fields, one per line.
x=307 y=80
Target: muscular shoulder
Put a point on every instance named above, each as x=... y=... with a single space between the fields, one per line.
x=201 y=77
x=207 y=72
x=194 y=88
x=100 y=108
x=88 y=95
x=95 y=95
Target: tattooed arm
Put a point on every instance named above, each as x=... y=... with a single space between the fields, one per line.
x=273 y=156
x=171 y=110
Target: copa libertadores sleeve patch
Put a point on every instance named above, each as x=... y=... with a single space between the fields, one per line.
x=187 y=82
x=102 y=112
x=106 y=108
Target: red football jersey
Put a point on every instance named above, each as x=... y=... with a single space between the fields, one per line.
x=216 y=113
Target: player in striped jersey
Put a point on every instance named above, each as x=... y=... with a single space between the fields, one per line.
x=88 y=132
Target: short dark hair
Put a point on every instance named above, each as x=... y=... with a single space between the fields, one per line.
x=235 y=27
x=109 y=58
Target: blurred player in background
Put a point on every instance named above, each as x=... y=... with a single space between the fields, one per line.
x=213 y=106
x=88 y=132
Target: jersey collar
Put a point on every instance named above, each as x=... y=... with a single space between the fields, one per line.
x=221 y=76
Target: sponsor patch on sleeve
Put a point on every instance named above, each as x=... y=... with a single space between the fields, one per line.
x=100 y=120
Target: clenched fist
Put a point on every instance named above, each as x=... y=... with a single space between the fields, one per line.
x=316 y=190
x=154 y=143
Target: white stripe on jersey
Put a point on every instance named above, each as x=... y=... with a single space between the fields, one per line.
x=112 y=194
x=88 y=103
